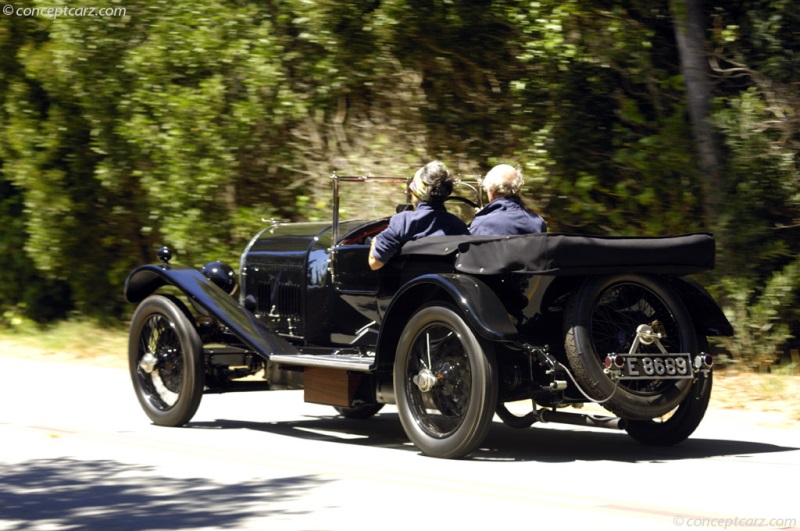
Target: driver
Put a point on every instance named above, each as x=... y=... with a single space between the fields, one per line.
x=431 y=185
x=505 y=214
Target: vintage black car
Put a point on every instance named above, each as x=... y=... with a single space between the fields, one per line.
x=451 y=331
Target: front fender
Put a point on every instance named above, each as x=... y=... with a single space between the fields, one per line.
x=145 y=280
x=481 y=307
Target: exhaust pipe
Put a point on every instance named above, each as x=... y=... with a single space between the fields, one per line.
x=579 y=419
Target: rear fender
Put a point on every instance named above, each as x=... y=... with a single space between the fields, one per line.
x=481 y=307
x=706 y=314
x=145 y=280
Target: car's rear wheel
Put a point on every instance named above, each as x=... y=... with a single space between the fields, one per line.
x=445 y=381
x=679 y=424
x=602 y=318
x=165 y=361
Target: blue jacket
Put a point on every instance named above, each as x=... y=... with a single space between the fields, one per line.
x=506 y=216
x=429 y=219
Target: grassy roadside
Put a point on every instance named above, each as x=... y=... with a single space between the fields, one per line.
x=68 y=341
x=777 y=396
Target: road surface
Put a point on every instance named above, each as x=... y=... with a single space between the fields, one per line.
x=78 y=453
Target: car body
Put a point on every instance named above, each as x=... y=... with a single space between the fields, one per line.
x=451 y=331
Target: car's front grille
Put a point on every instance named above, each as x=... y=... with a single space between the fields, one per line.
x=285 y=301
x=289 y=299
x=263 y=294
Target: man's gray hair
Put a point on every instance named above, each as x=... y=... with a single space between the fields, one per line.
x=504 y=180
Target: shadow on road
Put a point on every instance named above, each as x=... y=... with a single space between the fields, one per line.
x=537 y=443
x=568 y=445
x=73 y=494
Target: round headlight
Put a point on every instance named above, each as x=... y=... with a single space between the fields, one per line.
x=220 y=274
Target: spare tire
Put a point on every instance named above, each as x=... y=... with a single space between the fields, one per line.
x=601 y=318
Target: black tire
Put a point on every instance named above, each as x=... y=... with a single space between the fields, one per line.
x=679 y=424
x=165 y=361
x=452 y=418
x=602 y=317
x=515 y=421
x=359 y=412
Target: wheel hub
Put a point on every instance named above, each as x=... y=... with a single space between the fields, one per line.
x=425 y=380
x=148 y=362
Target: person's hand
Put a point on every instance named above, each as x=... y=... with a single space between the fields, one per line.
x=374 y=263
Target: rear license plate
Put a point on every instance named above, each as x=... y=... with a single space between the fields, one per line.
x=661 y=366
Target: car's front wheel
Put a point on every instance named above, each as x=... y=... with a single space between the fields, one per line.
x=165 y=361
x=445 y=381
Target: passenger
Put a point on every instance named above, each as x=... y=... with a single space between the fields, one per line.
x=431 y=185
x=505 y=214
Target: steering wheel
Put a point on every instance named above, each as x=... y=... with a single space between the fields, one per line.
x=460 y=199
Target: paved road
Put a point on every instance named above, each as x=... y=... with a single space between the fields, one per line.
x=78 y=453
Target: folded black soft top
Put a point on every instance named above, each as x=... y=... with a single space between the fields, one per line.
x=571 y=254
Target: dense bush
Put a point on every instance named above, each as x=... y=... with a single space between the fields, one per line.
x=187 y=123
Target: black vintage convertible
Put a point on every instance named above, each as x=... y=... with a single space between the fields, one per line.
x=451 y=331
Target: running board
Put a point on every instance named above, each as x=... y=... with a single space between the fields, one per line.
x=238 y=387
x=348 y=362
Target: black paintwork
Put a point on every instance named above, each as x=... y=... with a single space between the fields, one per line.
x=300 y=294
x=203 y=293
x=309 y=312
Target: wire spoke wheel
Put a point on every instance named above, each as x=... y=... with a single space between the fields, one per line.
x=440 y=410
x=165 y=361
x=615 y=317
x=160 y=367
x=602 y=318
x=445 y=383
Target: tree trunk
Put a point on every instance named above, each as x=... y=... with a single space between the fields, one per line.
x=689 y=34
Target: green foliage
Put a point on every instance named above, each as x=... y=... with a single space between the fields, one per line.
x=761 y=316
x=188 y=123
x=766 y=184
x=605 y=118
x=756 y=113
x=23 y=290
